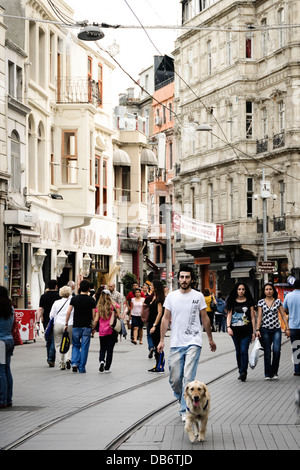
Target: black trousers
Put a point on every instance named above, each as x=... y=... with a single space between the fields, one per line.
x=107 y=344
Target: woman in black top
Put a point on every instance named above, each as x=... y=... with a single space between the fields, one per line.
x=154 y=320
x=241 y=324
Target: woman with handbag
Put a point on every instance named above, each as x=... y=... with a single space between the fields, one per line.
x=6 y=348
x=241 y=324
x=58 y=312
x=135 y=316
x=155 y=315
x=107 y=309
x=269 y=329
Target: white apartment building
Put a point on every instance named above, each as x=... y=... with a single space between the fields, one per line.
x=66 y=94
x=240 y=71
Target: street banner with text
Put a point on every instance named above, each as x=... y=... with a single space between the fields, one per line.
x=194 y=228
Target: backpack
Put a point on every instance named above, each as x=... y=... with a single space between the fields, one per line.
x=220 y=306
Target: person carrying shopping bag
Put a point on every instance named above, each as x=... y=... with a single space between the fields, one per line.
x=58 y=312
x=269 y=329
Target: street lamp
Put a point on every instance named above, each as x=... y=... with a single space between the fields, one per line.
x=90 y=33
x=39 y=256
x=86 y=263
x=51 y=195
x=204 y=127
x=60 y=262
x=265 y=193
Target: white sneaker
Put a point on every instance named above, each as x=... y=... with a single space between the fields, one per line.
x=183 y=417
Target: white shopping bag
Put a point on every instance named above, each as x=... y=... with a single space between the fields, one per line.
x=253 y=359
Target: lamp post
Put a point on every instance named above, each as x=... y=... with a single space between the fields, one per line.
x=119 y=263
x=168 y=246
x=265 y=194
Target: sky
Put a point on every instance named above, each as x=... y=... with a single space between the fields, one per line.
x=136 y=50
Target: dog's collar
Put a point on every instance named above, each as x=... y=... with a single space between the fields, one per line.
x=204 y=408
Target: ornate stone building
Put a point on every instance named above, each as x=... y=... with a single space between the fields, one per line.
x=238 y=72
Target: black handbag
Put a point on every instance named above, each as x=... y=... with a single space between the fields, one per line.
x=65 y=343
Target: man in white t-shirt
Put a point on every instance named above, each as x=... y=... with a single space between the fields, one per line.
x=186 y=308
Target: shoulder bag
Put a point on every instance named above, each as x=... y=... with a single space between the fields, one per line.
x=115 y=323
x=50 y=326
x=145 y=312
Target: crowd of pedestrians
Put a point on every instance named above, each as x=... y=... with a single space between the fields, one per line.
x=186 y=311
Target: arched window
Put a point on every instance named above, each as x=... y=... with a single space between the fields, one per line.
x=15 y=162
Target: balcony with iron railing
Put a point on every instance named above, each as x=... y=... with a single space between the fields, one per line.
x=78 y=90
x=279 y=224
x=279 y=140
x=262 y=145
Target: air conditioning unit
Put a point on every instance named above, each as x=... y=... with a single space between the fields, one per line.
x=157 y=121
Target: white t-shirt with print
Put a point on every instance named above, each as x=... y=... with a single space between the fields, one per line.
x=186 y=327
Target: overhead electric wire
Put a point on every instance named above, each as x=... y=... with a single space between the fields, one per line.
x=251 y=28
x=62 y=16
x=198 y=98
x=238 y=29
x=257 y=160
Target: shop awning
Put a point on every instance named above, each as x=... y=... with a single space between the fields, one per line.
x=241 y=272
x=148 y=158
x=28 y=236
x=218 y=266
x=121 y=158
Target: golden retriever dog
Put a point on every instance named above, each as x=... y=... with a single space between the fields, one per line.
x=197 y=399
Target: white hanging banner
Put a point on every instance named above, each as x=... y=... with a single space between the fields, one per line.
x=194 y=228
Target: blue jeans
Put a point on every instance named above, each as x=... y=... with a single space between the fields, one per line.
x=183 y=363
x=295 y=342
x=242 y=348
x=51 y=353
x=271 y=337
x=149 y=337
x=6 y=379
x=81 y=337
x=220 y=322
